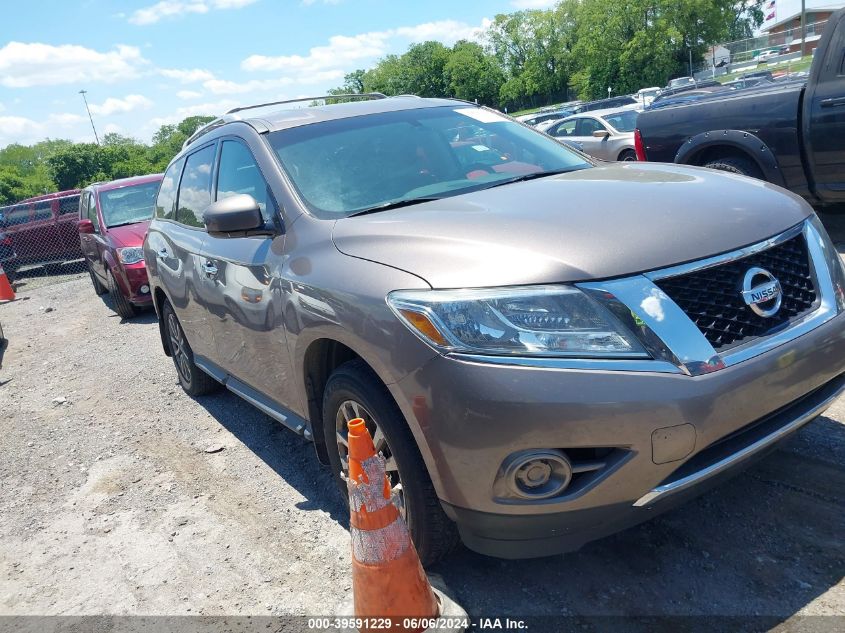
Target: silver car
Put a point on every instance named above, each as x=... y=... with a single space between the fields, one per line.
x=546 y=349
x=604 y=134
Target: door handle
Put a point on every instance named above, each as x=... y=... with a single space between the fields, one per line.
x=833 y=103
x=209 y=269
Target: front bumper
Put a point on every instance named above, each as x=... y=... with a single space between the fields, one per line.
x=469 y=417
x=132 y=279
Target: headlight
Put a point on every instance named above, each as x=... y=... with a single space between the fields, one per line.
x=526 y=321
x=130 y=255
x=834 y=264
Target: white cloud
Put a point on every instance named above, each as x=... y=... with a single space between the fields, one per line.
x=24 y=65
x=215 y=108
x=177 y=8
x=112 y=128
x=344 y=51
x=186 y=76
x=533 y=4
x=65 y=119
x=188 y=94
x=113 y=105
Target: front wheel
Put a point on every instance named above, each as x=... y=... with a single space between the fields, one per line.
x=121 y=304
x=354 y=391
x=99 y=288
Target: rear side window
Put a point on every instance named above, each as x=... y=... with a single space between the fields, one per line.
x=43 y=210
x=17 y=215
x=68 y=205
x=567 y=128
x=166 y=200
x=195 y=188
x=238 y=173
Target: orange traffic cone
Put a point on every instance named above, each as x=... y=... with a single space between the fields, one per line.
x=388 y=580
x=6 y=292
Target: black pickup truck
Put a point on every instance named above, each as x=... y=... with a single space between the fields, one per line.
x=791 y=133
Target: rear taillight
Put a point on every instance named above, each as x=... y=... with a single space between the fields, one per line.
x=639 y=148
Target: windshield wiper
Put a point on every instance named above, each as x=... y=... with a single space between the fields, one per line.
x=111 y=226
x=396 y=204
x=533 y=176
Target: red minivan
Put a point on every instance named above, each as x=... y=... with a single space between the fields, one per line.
x=40 y=231
x=113 y=221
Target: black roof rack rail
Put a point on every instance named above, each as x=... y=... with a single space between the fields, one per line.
x=365 y=95
x=227 y=117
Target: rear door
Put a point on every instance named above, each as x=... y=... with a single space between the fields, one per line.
x=243 y=274
x=175 y=242
x=824 y=115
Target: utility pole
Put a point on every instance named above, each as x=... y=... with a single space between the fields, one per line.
x=83 y=93
x=803 y=26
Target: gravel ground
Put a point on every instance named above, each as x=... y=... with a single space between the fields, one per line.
x=123 y=496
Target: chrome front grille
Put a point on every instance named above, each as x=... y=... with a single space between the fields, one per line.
x=711 y=297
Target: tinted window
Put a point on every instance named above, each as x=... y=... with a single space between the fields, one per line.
x=128 y=205
x=43 y=210
x=195 y=188
x=586 y=127
x=17 y=215
x=238 y=173
x=623 y=121
x=166 y=200
x=68 y=205
x=566 y=128
x=354 y=164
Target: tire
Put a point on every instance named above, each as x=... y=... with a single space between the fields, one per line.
x=627 y=156
x=121 y=303
x=194 y=380
x=736 y=165
x=433 y=534
x=99 y=288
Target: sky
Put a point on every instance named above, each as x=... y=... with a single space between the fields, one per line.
x=146 y=63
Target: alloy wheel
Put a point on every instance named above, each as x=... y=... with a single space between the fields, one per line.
x=178 y=347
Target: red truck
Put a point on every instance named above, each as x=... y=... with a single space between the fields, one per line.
x=40 y=231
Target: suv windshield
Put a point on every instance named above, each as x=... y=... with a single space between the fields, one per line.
x=128 y=205
x=357 y=164
x=622 y=121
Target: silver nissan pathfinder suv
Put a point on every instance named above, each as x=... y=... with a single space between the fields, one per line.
x=546 y=348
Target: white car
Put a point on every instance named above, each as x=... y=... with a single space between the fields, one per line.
x=767 y=55
x=646 y=95
x=604 y=134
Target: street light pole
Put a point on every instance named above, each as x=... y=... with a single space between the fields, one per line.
x=83 y=93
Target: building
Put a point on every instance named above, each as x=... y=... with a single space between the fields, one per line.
x=782 y=22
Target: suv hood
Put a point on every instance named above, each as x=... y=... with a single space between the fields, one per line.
x=130 y=234
x=608 y=221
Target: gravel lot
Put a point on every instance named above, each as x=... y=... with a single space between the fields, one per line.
x=121 y=495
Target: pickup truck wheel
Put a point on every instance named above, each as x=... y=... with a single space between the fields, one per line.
x=627 y=156
x=194 y=380
x=99 y=288
x=353 y=390
x=121 y=304
x=736 y=165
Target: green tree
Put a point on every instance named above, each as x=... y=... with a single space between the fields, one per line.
x=472 y=74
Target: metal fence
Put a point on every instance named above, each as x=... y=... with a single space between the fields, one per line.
x=39 y=240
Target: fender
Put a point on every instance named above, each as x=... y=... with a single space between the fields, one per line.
x=746 y=142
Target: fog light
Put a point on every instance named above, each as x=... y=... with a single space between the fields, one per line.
x=145 y=289
x=538 y=474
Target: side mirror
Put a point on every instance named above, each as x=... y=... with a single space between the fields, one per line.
x=235 y=214
x=601 y=134
x=86 y=227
